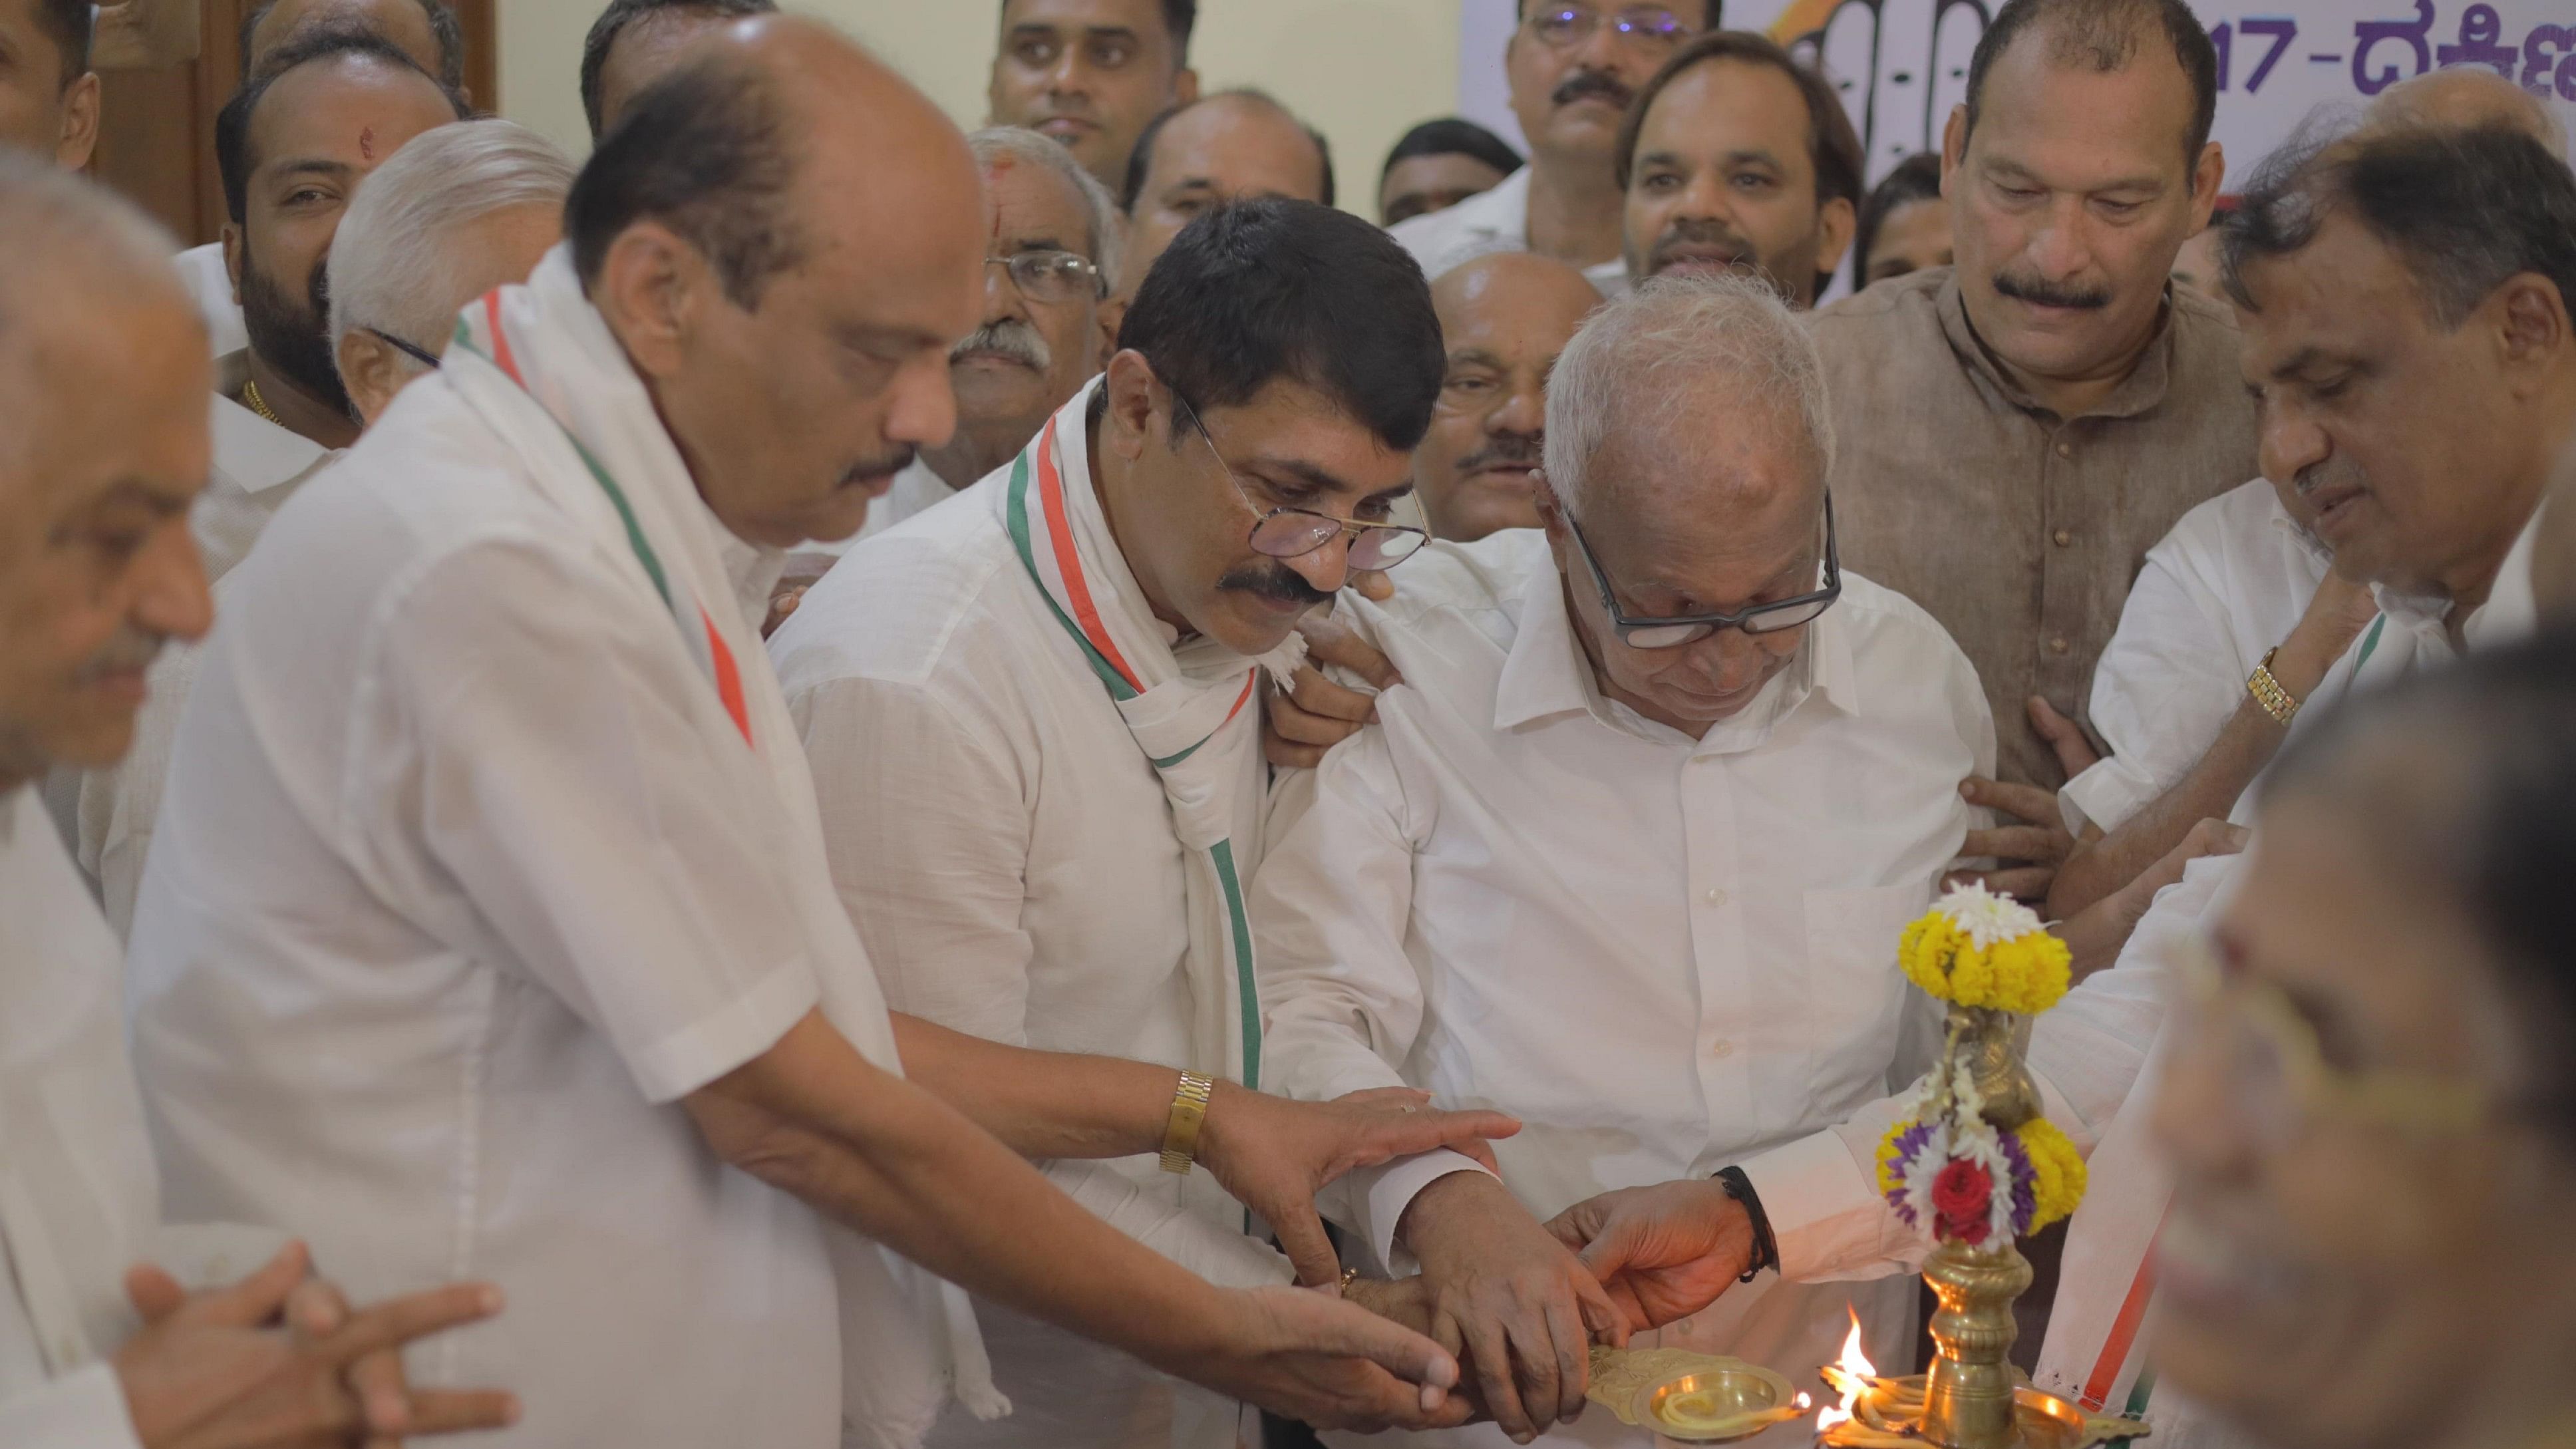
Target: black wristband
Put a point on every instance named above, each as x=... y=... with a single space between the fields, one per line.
x=1766 y=1249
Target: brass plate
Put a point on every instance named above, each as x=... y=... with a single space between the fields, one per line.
x=1633 y=1383
x=1697 y=1407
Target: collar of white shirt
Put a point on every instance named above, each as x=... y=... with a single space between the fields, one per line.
x=1486 y=223
x=2510 y=611
x=252 y=453
x=1547 y=674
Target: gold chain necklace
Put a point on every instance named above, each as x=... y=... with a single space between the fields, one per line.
x=257 y=404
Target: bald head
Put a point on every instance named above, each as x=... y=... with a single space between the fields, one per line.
x=72 y=247
x=425 y=30
x=2465 y=97
x=787 y=238
x=103 y=447
x=1226 y=147
x=1503 y=321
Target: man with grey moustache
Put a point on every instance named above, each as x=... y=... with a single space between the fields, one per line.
x=1054 y=248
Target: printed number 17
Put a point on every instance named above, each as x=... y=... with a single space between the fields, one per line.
x=2280 y=29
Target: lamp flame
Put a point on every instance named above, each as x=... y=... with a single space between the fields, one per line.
x=1851 y=1378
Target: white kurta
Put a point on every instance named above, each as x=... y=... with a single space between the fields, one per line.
x=201 y=271
x=1663 y=954
x=1486 y=223
x=2227 y=585
x=450 y=902
x=78 y=1201
x=1008 y=855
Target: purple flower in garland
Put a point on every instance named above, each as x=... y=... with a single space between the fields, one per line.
x=2025 y=1182
x=1896 y=1160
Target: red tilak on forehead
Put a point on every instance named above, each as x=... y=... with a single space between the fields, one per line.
x=367 y=143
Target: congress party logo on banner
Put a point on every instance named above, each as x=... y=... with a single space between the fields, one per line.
x=1903 y=64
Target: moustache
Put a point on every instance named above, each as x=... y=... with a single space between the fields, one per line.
x=879 y=469
x=2040 y=292
x=1271 y=579
x=1522 y=450
x=1587 y=84
x=1694 y=232
x=130 y=652
x=1010 y=339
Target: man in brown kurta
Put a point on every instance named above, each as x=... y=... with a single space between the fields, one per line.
x=2021 y=530
x=2014 y=433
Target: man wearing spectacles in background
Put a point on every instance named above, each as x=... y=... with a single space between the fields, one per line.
x=1624 y=854
x=1032 y=715
x=1055 y=241
x=1574 y=66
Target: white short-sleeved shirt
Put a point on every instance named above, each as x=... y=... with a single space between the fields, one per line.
x=1008 y=856
x=201 y=271
x=1664 y=955
x=1486 y=223
x=2225 y=587
x=450 y=901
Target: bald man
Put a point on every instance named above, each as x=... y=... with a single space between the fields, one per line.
x=488 y=919
x=1224 y=147
x=1503 y=320
x=634 y=43
x=102 y=446
x=2460 y=97
x=424 y=30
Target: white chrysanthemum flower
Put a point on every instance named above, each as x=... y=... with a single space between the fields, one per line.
x=1989 y=919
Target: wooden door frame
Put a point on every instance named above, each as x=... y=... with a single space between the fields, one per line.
x=157 y=128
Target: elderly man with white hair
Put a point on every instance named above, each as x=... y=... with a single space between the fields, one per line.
x=456 y=212
x=459 y=210
x=1627 y=853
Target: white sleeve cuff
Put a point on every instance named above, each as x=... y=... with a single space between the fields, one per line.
x=84 y=1409
x=1826 y=1215
x=1379 y=1195
x=726 y=1038
x=2104 y=796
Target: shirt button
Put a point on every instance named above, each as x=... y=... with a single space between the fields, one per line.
x=1721 y=1049
x=2063 y=538
x=1715 y=898
x=2066 y=450
x=2058 y=646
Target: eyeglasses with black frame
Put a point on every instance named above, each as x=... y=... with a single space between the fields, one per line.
x=1051 y=276
x=1652 y=29
x=412 y=350
x=1285 y=533
x=1673 y=633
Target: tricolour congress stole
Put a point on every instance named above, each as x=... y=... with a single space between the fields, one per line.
x=1193 y=714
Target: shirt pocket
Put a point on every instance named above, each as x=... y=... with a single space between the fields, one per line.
x=1856 y=993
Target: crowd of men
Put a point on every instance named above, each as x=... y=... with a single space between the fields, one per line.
x=826 y=781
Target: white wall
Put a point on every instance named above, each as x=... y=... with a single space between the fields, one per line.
x=1362 y=71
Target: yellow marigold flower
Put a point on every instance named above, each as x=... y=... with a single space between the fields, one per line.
x=2030 y=973
x=1887 y=1155
x=2025 y=974
x=2057 y=1170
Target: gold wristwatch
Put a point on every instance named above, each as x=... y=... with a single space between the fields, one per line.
x=2268 y=692
x=1181 y=1132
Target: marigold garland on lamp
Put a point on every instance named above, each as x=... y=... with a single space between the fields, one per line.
x=1974 y=1166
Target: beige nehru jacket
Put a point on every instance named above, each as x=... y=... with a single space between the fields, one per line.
x=2018 y=530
